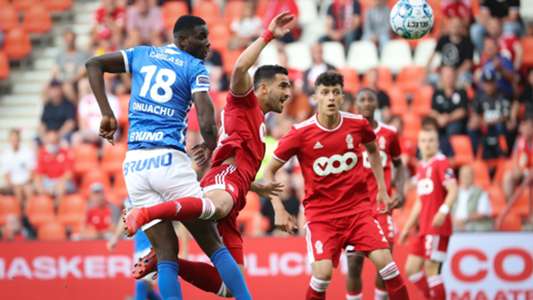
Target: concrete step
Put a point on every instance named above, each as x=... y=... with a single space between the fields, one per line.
x=44 y=64
x=80 y=29
x=31 y=76
x=84 y=18
x=31 y=111
x=24 y=87
x=19 y=123
x=86 y=7
x=20 y=100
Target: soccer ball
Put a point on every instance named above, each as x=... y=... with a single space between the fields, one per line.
x=411 y=19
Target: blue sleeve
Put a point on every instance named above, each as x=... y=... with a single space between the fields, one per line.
x=128 y=55
x=507 y=64
x=199 y=79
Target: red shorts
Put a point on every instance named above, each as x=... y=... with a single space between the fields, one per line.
x=327 y=239
x=387 y=225
x=430 y=247
x=226 y=177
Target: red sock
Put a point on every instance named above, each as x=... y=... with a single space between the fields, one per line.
x=436 y=288
x=394 y=282
x=420 y=281
x=317 y=289
x=201 y=275
x=181 y=209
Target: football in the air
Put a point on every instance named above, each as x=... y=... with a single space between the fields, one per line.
x=411 y=19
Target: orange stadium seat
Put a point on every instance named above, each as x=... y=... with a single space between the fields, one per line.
x=230 y=58
x=527 y=45
x=58 y=5
x=113 y=157
x=85 y=158
x=497 y=199
x=351 y=79
x=17 y=44
x=250 y=217
x=94 y=176
x=4 y=66
x=232 y=11
x=462 y=148
x=220 y=35
x=512 y=222
x=502 y=167
x=172 y=10
x=521 y=206
x=397 y=100
x=261 y=7
x=9 y=18
x=37 y=19
x=411 y=125
x=208 y=10
x=422 y=100
x=52 y=231
x=72 y=210
x=9 y=205
x=411 y=78
x=385 y=78
x=481 y=174
x=40 y=210
x=23 y=5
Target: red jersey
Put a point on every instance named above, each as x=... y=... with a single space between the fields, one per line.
x=457 y=9
x=241 y=135
x=523 y=153
x=99 y=218
x=389 y=150
x=54 y=165
x=431 y=177
x=507 y=45
x=331 y=163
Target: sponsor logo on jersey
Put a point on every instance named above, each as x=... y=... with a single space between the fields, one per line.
x=139 y=136
x=336 y=164
x=318 y=146
x=165 y=57
x=424 y=187
x=382 y=143
x=164 y=160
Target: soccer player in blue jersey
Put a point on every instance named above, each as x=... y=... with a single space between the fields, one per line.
x=165 y=82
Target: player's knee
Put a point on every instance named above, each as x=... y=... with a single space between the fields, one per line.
x=381 y=258
x=355 y=266
x=431 y=268
x=322 y=271
x=222 y=202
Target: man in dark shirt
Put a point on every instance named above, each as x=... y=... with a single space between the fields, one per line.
x=343 y=22
x=456 y=50
x=492 y=112
x=449 y=107
x=58 y=112
x=526 y=98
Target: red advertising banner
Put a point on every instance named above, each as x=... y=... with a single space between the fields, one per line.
x=496 y=266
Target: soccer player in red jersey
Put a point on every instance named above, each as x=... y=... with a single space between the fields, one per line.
x=436 y=192
x=337 y=205
x=235 y=161
x=389 y=150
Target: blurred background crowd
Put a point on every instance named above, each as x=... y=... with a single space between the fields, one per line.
x=471 y=78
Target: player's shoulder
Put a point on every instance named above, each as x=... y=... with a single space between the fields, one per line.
x=388 y=128
x=351 y=116
x=440 y=159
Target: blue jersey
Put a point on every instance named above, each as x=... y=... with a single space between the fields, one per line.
x=163 y=81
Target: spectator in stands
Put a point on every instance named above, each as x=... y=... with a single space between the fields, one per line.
x=472 y=212
x=110 y=19
x=343 y=22
x=54 y=168
x=457 y=9
x=492 y=61
x=247 y=28
x=508 y=42
x=376 y=26
x=275 y=7
x=456 y=50
x=17 y=229
x=145 y=21
x=58 y=113
x=383 y=111
x=70 y=64
x=491 y=113
x=18 y=163
x=449 y=106
x=102 y=215
x=521 y=171
x=215 y=66
x=318 y=67
x=508 y=11
x=526 y=98
x=89 y=115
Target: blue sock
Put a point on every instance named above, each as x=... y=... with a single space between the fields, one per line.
x=152 y=295
x=141 y=290
x=169 y=286
x=231 y=274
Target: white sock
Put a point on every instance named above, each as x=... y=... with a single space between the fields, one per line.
x=319 y=285
x=355 y=297
x=208 y=209
x=380 y=295
x=389 y=271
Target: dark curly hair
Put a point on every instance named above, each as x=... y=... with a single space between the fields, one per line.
x=329 y=78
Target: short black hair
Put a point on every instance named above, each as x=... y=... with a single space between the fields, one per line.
x=429 y=123
x=268 y=72
x=366 y=90
x=187 y=23
x=329 y=78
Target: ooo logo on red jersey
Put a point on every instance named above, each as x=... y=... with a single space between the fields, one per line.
x=424 y=187
x=324 y=166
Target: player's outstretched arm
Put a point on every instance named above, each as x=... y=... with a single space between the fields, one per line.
x=206 y=119
x=377 y=168
x=451 y=196
x=412 y=220
x=96 y=66
x=282 y=219
x=400 y=179
x=241 y=82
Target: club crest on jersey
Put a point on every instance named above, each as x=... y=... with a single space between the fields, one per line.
x=382 y=142
x=349 y=141
x=318 y=145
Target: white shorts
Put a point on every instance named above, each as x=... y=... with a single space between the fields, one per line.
x=158 y=175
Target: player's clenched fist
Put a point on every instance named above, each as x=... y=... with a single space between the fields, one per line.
x=108 y=127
